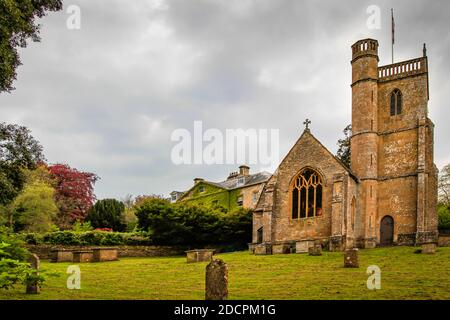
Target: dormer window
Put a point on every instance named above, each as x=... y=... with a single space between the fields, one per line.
x=201 y=189
x=240 y=181
x=396 y=102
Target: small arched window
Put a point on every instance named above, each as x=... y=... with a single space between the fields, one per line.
x=396 y=102
x=307 y=191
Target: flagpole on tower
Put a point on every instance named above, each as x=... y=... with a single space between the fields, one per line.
x=393 y=33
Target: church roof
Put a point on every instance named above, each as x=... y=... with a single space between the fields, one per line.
x=351 y=173
x=308 y=132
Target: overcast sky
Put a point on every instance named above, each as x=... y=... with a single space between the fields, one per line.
x=106 y=98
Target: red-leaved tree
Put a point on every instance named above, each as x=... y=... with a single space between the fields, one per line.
x=74 y=193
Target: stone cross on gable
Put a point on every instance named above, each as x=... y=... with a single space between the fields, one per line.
x=307 y=123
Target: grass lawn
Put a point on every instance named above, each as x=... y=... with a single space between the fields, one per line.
x=404 y=275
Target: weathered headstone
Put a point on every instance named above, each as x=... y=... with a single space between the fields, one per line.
x=33 y=287
x=429 y=248
x=351 y=258
x=216 y=280
x=315 y=250
x=199 y=255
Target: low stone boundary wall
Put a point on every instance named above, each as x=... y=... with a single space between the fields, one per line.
x=43 y=251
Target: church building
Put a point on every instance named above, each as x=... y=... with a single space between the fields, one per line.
x=388 y=195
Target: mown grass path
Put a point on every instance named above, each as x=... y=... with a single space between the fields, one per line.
x=404 y=275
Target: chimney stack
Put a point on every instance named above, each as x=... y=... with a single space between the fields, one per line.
x=244 y=170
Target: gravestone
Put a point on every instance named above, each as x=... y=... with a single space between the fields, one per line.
x=199 y=255
x=263 y=249
x=216 y=286
x=351 y=258
x=104 y=254
x=429 y=248
x=35 y=262
x=315 y=250
x=303 y=246
x=281 y=248
x=81 y=256
x=61 y=255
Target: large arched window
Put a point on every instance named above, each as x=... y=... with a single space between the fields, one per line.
x=396 y=102
x=306 y=192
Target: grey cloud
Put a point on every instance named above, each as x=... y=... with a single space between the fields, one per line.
x=107 y=97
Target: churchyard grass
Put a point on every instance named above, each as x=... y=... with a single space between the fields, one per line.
x=404 y=275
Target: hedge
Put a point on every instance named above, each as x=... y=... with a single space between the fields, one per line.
x=90 y=238
x=194 y=225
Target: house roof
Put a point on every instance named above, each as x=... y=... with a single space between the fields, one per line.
x=234 y=183
x=249 y=180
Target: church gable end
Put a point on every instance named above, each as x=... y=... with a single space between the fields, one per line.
x=306 y=198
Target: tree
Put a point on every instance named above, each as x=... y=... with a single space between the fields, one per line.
x=189 y=224
x=236 y=227
x=18 y=151
x=16 y=249
x=443 y=217
x=74 y=194
x=18 y=24
x=82 y=226
x=178 y=224
x=128 y=201
x=35 y=208
x=107 y=213
x=13 y=269
x=144 y=198
x=344 y=151
x=129 y=216
x=444 y=185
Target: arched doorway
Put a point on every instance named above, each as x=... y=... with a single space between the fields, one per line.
x=387 y=231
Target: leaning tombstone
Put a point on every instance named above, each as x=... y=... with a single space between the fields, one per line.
x=351 y=258
x=216 y=286
x=33 y=286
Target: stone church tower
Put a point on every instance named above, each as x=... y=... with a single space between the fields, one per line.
x=392 y=148
x=388 y=195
